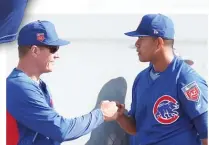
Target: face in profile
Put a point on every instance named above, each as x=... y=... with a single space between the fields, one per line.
x=146 y=47
x=46 y=58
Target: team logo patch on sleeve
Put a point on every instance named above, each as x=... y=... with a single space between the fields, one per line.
x=191 y=91
x=165 y=110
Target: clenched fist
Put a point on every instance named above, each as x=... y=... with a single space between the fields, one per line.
x=109 y=110
x=121 y=110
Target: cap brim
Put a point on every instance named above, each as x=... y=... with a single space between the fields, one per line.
x=134 y=34
x=59 y=42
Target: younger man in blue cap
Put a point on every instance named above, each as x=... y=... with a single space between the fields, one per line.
x=31 y=118
x=169 y=98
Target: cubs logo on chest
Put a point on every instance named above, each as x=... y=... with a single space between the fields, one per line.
x=165 y=110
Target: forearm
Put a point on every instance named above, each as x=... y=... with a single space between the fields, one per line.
x=205 y=141
x=82 y=125
x=127 y=123
x=201 y=125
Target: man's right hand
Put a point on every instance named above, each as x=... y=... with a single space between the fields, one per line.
x=125 y=122
x=121 y=109
x=109 y=110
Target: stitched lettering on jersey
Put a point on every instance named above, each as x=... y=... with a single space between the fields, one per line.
x=191 y=91
x=165 y=110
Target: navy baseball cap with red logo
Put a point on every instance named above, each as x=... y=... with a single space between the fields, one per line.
x=155 y=25
x=40 y=33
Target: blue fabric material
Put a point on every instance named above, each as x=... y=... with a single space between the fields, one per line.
x=164 y=108
x=38 y=122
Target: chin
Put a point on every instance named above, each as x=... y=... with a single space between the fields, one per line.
x=49 y=68
x=142 y=60
x=48 y=71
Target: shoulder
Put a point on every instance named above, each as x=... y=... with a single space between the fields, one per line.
x=191 y=83
x=20 y=87
x=140 y=75
x=20 y=82
x=187 y=73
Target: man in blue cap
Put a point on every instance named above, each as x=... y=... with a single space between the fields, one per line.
x=31 y=118
x=11 y=15
x=169 y=98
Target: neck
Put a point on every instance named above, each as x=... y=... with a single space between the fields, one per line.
x=29 y=70
x=162 y=63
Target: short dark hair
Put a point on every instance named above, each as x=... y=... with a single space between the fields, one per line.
x=23 y=50
x=169 y=42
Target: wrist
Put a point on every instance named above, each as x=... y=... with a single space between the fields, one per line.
x=120 y=117
x=101 y=113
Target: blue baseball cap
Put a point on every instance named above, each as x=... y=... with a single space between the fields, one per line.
x=40 y=33
x=155 y=25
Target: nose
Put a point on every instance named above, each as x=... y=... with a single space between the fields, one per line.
x=137 y=44
x=56 y=55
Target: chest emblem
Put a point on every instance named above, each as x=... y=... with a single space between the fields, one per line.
x=165 y=110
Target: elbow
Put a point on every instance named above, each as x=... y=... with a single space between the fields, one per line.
x=205 y=141
x=66 y=135
x=132 y=132
x=63 y=137
x=60 y=137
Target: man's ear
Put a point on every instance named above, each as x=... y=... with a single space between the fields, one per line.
x=160 y=42
x=35 y=51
